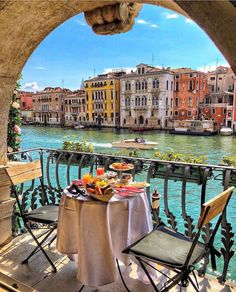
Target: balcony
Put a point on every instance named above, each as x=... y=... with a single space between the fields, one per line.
x=140 y=107
x=176 y=182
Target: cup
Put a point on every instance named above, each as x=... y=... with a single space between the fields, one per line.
x=100 y=171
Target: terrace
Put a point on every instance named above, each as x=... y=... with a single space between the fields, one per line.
x=183 y=188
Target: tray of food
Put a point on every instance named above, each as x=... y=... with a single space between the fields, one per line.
x=139 y=185
x=101 y=191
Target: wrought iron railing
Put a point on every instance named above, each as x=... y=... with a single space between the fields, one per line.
x=184 y=187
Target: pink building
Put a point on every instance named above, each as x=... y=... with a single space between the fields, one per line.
x=26 y=100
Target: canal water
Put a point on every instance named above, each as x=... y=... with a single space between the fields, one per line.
x=214 y=148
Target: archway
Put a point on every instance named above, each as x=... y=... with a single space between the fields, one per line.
x=141 y=120
x=25 y=24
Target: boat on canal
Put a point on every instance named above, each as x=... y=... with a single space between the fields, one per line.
x=226 y=131
x=194 y=127
x=137 y=143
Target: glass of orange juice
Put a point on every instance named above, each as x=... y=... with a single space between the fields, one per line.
x=87 y=178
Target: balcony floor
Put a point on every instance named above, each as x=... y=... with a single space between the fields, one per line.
x=38 y=274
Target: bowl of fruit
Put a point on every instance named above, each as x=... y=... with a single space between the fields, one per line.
x=121 y=166
x=100 y=190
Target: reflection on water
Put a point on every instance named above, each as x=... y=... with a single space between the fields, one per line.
x=214 y=147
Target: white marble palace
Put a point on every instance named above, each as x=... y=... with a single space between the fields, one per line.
x=146 y=97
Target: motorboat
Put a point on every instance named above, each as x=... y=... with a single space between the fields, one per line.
x=137 y=143
x=226 y=131
x=78 y=127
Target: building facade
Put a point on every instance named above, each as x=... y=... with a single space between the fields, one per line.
x=190 y=89
x=146 y=98
x=75 y=109
x=26 y=106
x=48 y=106
x=103 y=99
x=219 y=102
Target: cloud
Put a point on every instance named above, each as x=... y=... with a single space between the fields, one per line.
x=171 y=15
x=127 y=69
x=39 y=67
x=212 y=66
x=80 y=22
x=141 y=21
x=188 y=20
x=33 y=86
x=144 y=22
x=154 y=26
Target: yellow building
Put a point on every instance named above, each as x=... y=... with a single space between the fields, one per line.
x=103 y=99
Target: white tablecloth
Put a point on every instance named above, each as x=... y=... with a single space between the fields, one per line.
x=97 y=232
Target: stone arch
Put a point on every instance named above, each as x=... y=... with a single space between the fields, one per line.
x=24 y=24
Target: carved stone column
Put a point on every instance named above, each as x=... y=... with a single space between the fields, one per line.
x=112 y=19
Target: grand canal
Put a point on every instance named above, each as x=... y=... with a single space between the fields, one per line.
x=214 y=148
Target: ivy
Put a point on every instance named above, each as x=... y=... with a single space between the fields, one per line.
x=14 y=122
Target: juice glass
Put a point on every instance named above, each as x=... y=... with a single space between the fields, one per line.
x=100 y=171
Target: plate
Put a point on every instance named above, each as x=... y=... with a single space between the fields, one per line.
x=139 y=185
x=122 y=169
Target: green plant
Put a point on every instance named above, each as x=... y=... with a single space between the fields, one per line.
x=78 y=146
x=229 y=160
x=175 y=156
x=14 y=121
x=129 y=153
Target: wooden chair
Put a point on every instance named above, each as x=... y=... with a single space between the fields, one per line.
x=47 y=214
x=178 y=252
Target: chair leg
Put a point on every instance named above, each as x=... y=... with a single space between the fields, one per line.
x=148 y=275
x=193 y=284
x=122 y=279
x=39 y=246
x=81 y=288
x=175 y=280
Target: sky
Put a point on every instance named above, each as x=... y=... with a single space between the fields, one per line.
x=159 y=37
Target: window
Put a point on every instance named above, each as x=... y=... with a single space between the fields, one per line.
x=176 y=113
x=189 y=113
x=176 y=102
x=190 y=101
x=212 y=78
x=167 y=85
x=190 y=85
x=224 y=111
x=213 y=111
x=130 y=113
x=143 y=70
x=177 y=86
x=139 y=70
x=127 y=86
x=155 y=83
x=155 y=101
x=124 y=121
x=138 y=85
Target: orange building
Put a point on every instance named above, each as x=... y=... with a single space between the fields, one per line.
x=26 y=102
x=189 y=90
x=219 y=103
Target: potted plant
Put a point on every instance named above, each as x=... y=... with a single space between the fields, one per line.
x=230 y=161
x=177 y=171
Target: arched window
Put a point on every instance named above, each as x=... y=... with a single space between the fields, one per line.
x=143 y=84
x=124 y=121
x=167 y=85
x=139 y=70
x=155 y=83
x=146 y=121
x=138 y=85
x=143 y=70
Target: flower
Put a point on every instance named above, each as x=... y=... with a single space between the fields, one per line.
x=17 y=129
x=15 y=105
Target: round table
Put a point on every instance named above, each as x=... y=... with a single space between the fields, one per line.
x=98 y=232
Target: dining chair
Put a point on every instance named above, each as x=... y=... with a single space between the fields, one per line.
x=45 y=216
x=177 y=252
